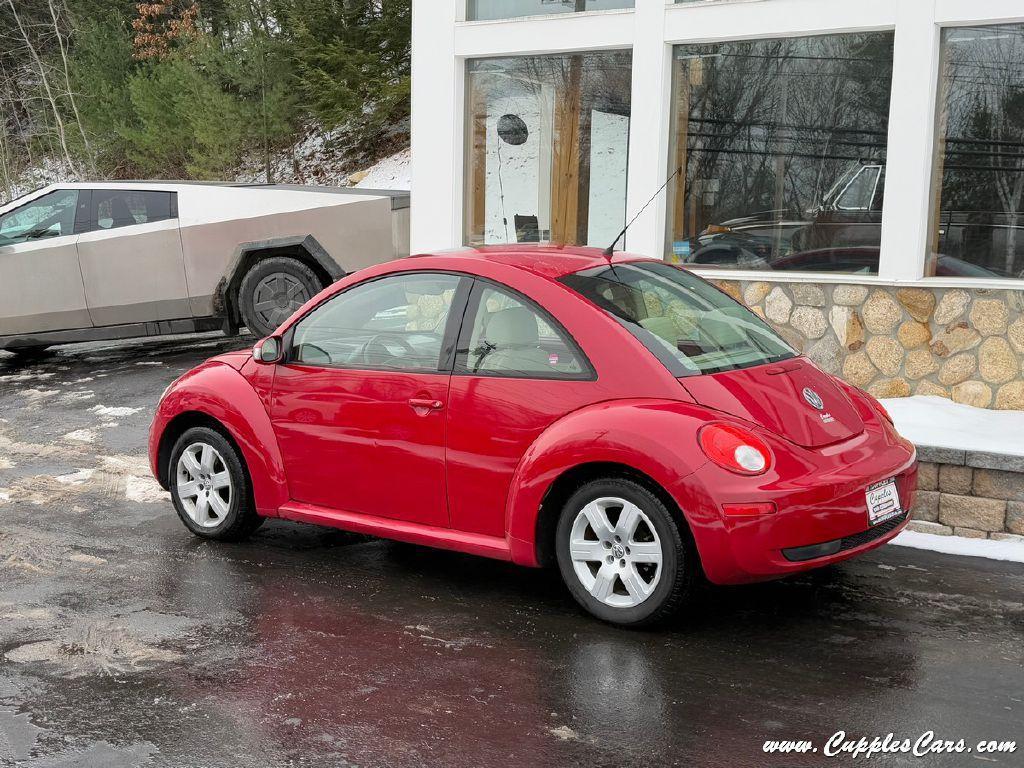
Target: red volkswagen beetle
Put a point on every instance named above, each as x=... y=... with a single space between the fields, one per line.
x=619 y=416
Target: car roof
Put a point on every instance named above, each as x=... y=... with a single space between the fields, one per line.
x=546 y=260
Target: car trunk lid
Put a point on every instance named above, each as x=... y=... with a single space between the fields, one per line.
x=794 y=399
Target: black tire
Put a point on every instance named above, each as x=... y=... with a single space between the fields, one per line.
x=679 y=567
x=241 y=518
x=30 y=354
x=257 y=288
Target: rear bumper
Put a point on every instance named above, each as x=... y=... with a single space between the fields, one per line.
x=821 y=513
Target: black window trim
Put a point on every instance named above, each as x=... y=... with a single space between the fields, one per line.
x=446 y=357
x=480 y=284
x=83 y=211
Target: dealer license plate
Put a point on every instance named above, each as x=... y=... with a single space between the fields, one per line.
x=883 y=502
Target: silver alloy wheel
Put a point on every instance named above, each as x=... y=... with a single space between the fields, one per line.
x=616 y=552
x=204 y=485
x=276 y=298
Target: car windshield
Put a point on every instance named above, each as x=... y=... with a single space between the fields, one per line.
x=691 y=326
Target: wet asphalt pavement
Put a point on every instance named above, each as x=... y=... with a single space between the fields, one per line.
x=126 y=642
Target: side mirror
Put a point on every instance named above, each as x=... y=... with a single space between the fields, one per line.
x=268 y=351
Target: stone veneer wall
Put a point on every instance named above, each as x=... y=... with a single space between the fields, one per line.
x=967 y=345
x=968 y=493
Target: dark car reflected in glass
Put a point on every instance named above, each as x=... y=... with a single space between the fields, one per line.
x=783 y=144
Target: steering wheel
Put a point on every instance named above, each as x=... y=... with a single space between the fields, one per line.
x=377 y=349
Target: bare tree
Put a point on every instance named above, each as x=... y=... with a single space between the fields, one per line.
x=67 y=81
x=45 y=82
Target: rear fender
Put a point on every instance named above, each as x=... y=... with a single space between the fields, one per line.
x=222 y=393
x=654 y=437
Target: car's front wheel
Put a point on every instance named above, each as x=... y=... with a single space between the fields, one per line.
x=622 y=555
x=210 y=488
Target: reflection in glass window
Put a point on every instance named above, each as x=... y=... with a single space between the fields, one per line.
x=687 y=323
x=782 y=145
x=508 y=9
x=395 y=323
x=52 y=215
x=546 y=146
x=511 y=338
x=978 y=214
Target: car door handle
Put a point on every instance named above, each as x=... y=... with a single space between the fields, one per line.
x=430 y=405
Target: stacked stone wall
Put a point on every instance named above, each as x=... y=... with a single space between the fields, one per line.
x=966 y=345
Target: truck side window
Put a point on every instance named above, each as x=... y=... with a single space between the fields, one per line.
x=113 y=208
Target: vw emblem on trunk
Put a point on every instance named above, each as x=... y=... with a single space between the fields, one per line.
x=813 y=398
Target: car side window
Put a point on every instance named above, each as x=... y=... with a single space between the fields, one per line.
x=510 y=336
x=52 y=215
x=113 y=208
x=860 y=191
x=394 y=323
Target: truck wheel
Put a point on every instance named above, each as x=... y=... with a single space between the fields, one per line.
x=272 y=290
x=29 y=354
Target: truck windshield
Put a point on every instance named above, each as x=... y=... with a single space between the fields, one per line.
x=691 y=326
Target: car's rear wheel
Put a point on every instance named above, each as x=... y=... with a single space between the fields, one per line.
x=272 y=290
x=210 y=487
x=622 y=554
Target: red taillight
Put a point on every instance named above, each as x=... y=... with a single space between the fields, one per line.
x=735 y=449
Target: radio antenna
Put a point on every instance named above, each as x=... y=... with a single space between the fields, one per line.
x=611 y=248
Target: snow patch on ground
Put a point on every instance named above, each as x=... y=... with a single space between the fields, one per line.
x=1011 y=551
x=328 y=158
x=45 y=170
x=31 y=376
x=91 y=647
x=317 y=158
x=80 y=477
x=941 y=423
x=393 y=172
x=84 y=559
x=125 y=465
x=34 y=396
x=70 y=398
x=565 y=733
x=145 y=490
x=81 y=436
x=114 y=411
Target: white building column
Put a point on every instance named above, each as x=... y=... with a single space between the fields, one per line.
x=906 y=212
x=648 y=131
x=437 y=113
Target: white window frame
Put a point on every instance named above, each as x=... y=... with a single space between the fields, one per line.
x=443 y=40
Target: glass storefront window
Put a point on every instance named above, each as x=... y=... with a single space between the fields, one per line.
x=977 y=225
x=782 y=146
x=546 y=147
x=477 y=10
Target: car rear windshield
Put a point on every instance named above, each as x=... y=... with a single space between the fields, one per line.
x=691 y=326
